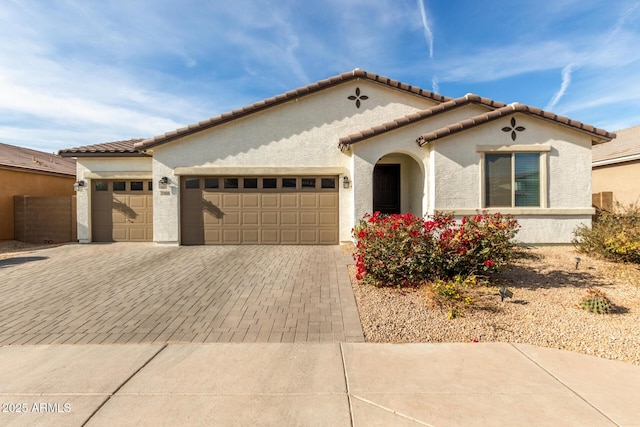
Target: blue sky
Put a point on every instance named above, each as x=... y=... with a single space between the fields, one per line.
x=78 y=72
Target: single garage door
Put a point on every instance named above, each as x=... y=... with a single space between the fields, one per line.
x=122 y=210
x=291 y=210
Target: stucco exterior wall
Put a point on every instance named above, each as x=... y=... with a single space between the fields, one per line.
x=90 y=169
x=18 y=183
x=622 y=179
x=402 y=141
x=458 y=176
x=302 y=133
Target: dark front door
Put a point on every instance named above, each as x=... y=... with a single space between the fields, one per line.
x=386 y=189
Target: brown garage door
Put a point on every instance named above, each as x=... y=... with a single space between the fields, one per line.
x=122 y=211
x=259 y=210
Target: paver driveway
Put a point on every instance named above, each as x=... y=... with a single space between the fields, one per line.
x=143 y=292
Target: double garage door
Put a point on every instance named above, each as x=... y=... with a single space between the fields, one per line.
x=259 y=210
x=122 y=210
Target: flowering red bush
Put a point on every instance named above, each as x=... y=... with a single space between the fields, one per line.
x=397 y=250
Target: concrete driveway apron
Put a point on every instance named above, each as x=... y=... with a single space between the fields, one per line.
x=148 y=293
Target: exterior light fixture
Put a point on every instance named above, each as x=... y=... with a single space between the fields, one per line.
x=164 y=180
x=578 y=259
x=78 y=185
x=345 y=182
x=505 y=293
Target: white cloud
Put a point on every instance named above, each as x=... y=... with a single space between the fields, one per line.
x=566 y=81
x=428 y=35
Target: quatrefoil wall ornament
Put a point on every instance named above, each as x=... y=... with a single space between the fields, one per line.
x=513 y=129
x=358 y=97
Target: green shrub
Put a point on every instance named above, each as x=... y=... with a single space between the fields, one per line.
x=613 y=235
x=596 y=302
x=398 y=250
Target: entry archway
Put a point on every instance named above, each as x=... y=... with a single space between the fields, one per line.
x=398 y=185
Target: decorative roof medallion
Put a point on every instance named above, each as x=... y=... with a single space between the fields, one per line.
x=513 y=128
x=357 y=97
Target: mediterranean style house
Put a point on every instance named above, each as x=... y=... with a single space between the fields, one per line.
x=304 y=166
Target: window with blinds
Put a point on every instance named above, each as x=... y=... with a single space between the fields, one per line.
x=512 y=179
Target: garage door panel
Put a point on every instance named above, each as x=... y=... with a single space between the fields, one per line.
x=327 y=237
x=135 y=202
x=250 y=218
x=231 y=236
x=212 y=236
x=269 y=218
x=328 y=201
x=231 y=218
x=328 y=219
x=270 y=200
x=289 y=236
x=308 y=201
x=250 y=200
x=269 y=236
x=289 y=218
x=250 y=236
x=273 y=215
x=230 y=200
x=308 y=218
x=288 y=201
x=137 y=234
x=308 y=236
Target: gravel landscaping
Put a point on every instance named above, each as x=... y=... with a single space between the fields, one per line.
x=544 y=309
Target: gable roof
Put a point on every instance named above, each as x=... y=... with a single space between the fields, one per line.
x=598 y=135
x=625 y=148
x=285 y=97
x=28 y=160
x=112 y=149
x=345 y=142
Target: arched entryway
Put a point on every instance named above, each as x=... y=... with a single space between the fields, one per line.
x=398 y=185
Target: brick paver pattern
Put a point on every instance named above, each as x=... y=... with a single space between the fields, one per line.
x=143 y=292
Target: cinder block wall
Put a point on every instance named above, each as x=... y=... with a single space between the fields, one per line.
x=15 y=183
x=45 y=219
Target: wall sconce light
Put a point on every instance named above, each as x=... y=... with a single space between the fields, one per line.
x=78 y=185
x=164 y=180
x=345 y=182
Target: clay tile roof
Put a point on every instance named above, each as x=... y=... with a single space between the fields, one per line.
x=19 y=158
x=285 y=97
x=116 y=148
x=346 y=141
x=625 y=147
x=598 y=135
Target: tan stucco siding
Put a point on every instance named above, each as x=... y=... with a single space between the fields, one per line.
x=17 y=183
x=622 y=179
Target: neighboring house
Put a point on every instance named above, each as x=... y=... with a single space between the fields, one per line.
x=304 y=166
x=616 y=167
x=32 y=173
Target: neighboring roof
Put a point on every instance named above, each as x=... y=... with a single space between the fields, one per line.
x=27 y=160
x=285 y=97
x=598 y=135
x=625 y=148
x=115 y=149
x=345 y=142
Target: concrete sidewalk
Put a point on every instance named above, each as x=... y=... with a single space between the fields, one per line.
x=314 y=384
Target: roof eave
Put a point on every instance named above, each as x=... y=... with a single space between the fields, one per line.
x=284 y=98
